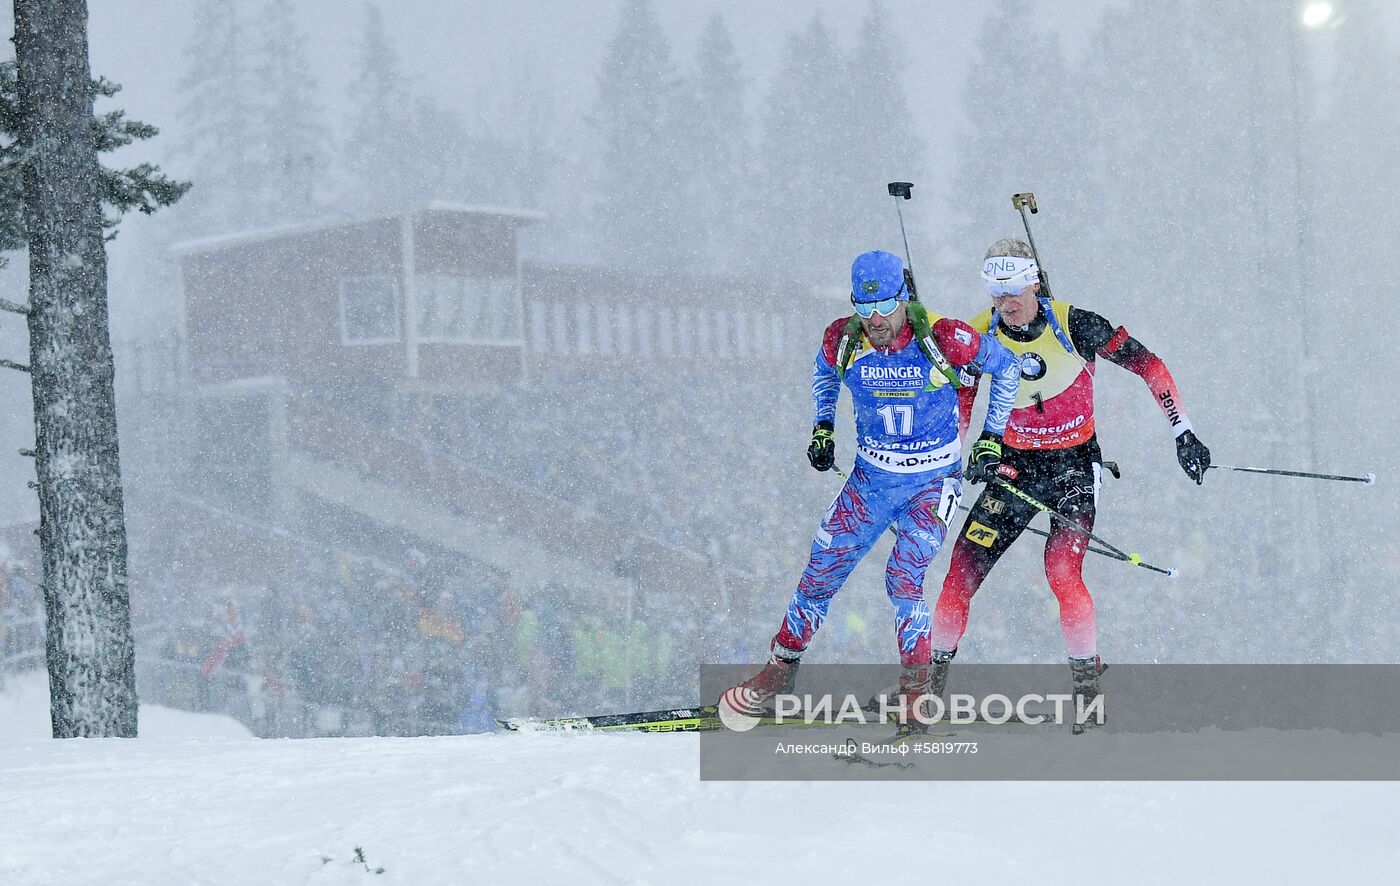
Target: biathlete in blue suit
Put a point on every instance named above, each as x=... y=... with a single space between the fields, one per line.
x=904 y=366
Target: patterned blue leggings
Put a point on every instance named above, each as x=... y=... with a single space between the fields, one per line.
x=919 y=506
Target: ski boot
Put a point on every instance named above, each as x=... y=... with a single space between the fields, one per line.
x=938 y=679
x=1085 y=673
x=915 y=682
x=751 y=697
x=918 y=681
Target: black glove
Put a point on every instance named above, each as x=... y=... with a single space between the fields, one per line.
x=821 y=452
x=985 y=458
x=1193 y=455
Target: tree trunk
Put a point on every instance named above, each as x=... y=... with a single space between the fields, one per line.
x=82 y=531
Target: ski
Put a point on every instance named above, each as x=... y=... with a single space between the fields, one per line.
x=698 y=719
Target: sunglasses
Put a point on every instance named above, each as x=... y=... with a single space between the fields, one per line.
x=884 y=308
x=1005 y=288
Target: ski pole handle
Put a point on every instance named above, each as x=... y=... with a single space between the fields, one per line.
x=905 y=190
x=1369 y=479
x=1022 y=202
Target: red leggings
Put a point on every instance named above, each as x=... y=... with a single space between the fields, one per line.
x=1068 y=481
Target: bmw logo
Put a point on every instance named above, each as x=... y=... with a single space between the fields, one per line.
x=1032 y=366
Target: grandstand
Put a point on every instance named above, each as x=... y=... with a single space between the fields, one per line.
x=578 y=454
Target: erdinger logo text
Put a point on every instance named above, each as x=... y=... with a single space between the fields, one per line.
x=874 y=373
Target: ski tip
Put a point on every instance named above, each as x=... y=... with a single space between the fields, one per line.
x=1370 y=479
x=1171 y=572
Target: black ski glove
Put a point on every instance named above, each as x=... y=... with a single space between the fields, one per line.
x=1193 y=455
x=984 y=459
x=821 y=452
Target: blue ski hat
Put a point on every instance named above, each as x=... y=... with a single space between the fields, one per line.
x=877 y=276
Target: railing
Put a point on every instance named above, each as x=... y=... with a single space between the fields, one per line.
x=246 y=697
x=21 y=643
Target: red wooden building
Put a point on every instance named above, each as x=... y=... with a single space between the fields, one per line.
x=432 y=294
x=333 y=360
x=440 y=296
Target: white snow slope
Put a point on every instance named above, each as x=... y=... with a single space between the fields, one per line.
x=24 y=713
x=609 y=808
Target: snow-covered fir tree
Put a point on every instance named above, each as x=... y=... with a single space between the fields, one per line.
x=288 y=125
x=1347 y=164
x=713 y=132
x=529 y=123
x=635 y=213
x=82 y=529
x=142 y=187
x=1359 y=136
x=809 y=132
x=451 y=161
x=380 y=146
x=1185 y=162
x=219 y=97
x=877 y=67
x=1016 y=104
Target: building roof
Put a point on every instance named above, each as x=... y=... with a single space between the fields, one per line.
x=276 y=232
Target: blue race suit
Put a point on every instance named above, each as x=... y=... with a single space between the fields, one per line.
x=907 y=472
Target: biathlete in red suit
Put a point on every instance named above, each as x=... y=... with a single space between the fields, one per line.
x=1050 y=451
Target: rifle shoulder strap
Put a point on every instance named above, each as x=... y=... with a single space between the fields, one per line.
x=846 y=351
x=923 y=334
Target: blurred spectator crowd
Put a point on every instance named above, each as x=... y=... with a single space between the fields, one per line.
x=352 y=646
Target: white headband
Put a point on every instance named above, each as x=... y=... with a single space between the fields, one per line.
x=1009 y=273
x=1010 y=268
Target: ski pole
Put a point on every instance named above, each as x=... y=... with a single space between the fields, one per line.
x=1134 y=559
x=1369 y=479
x=1022 y=202
x=1043 y=534
x=905 y=190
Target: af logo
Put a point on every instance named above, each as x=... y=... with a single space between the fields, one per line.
x=981 y=535
x=1032 y=366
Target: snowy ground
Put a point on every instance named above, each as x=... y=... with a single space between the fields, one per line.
x=24 y=714
x=190 y=803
